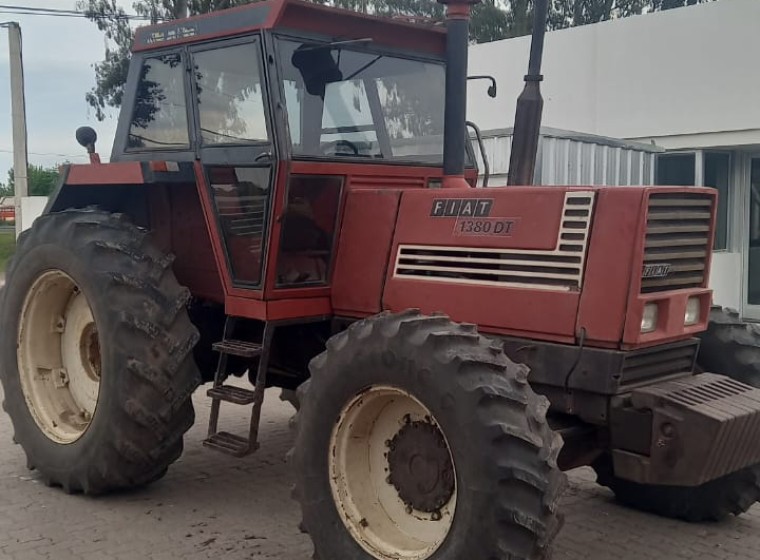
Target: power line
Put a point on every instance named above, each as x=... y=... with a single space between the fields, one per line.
x=33 y=9
x=4 y=151
x=54 y=12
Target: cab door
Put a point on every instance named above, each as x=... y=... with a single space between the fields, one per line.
x=236 y=154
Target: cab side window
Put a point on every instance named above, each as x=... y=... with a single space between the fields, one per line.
x=159 y=117
x=230 y=95
x=308 y=231
x=241 y=198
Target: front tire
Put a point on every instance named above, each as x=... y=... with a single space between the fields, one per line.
x=732 y=348
x=419 y=439
x=96 y=354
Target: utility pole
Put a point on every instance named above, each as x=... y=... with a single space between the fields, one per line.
x=18 y=113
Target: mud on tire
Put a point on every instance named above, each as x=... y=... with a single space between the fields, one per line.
x=730 y=347
x=146 y=342
x=503 y=450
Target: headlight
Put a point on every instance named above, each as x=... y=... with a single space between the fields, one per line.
x=691 y=317
x=649 y=318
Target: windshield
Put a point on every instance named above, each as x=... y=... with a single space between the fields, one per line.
x=343 y=102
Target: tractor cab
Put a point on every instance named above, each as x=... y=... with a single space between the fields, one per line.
x=279 y=109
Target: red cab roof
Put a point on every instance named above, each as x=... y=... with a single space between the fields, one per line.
x=294 y=15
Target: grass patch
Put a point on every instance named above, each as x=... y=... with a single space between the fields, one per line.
x=7 y=246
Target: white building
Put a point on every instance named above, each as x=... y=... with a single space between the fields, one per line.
x=687 y=80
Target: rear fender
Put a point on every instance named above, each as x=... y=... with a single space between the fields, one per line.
x=115 y=187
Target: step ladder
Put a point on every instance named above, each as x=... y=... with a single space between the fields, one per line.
x=233 y=444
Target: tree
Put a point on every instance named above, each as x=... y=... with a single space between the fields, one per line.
x=41 y=181
x=491 y=20
x=570 y=13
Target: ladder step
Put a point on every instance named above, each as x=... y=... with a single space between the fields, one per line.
x=230 y=444
x=238 y=348
x=231 y=394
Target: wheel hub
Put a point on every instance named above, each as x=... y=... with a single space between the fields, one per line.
x=89 y=347
x=59 y=357
x=392 y=475
x=420 y=467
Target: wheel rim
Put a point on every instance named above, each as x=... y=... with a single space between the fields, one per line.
x=59 y=357
x=392 y=475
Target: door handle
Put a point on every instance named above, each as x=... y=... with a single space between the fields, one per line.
x=263 y=155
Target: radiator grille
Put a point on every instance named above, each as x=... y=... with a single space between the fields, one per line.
x=659 y=361
x=557 y=269
x=677 y=241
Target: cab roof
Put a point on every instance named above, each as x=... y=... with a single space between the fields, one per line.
x=295 y=16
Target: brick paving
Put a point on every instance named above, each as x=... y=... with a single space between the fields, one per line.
x=211 y=506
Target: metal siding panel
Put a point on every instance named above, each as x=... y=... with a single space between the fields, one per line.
x=635 y=167
x=503 y=151
x=586 y=162
x=612 y=159
x=548 y=162
x=573 y=163
x=623 y=175
x=600 y=163
x=563 y=151
x=550 y=155
x=648 y=172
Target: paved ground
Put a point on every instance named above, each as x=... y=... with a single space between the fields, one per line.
x=210 y=505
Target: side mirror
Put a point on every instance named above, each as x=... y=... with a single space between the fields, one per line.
x=86 y=136
x=491 y=88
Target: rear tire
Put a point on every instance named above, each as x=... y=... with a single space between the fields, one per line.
x=141 y=351
x=459 y=390
x=730 y=347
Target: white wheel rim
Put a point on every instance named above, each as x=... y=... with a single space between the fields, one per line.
x=368 y=503
x=59 y=358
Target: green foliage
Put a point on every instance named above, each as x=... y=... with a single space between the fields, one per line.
x=491 y=20
x=7 y=246
x=41 y=181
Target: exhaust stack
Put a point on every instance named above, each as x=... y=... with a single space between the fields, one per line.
x=455 y=129
x=530 y=106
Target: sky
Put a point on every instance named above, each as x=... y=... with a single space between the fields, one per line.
x=58 y=58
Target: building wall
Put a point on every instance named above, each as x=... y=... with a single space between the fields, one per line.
x=690 y=71
x=725 y=279
x=684 y=79
x=31 y=209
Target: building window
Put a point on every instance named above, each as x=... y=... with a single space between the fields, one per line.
x=676 y=169
x=681 y=170
x=159 y=119
x=718 y=176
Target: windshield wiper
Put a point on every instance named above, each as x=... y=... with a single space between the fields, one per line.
x=334 y=44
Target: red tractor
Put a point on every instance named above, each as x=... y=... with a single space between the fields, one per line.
x=7 y=213
x=290 y=196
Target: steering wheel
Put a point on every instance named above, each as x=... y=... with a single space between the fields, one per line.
x=329 y=149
